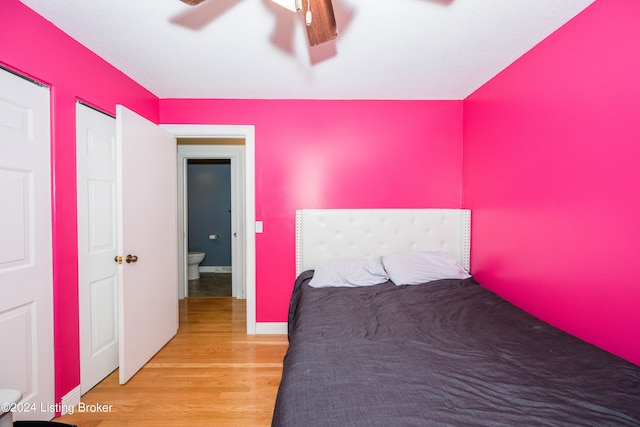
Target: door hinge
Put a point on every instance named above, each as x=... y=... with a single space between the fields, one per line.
x=118 y=259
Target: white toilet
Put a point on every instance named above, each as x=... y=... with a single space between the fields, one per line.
x=194 y=260
x=8 y=398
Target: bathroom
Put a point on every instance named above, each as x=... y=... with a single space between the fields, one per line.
x=209 y=227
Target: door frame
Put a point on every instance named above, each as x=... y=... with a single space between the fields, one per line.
x=245 y=173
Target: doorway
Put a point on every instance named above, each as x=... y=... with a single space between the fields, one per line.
x=235 y=143
x=208 y=226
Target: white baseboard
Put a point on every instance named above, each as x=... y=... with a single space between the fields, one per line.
x=70 y=400
x=270 y=328
x=214 y=269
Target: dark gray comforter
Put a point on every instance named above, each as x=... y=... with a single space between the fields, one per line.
x=447 y=353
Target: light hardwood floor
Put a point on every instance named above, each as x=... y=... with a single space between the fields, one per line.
x=210 y=374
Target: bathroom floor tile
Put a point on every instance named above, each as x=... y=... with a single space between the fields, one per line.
x=211 y=285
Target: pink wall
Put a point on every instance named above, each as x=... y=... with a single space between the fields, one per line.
x=551 y=172
x=549 y=169
x=32 y=46
x=334 y=154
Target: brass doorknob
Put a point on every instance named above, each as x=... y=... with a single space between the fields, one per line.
x=131 y=258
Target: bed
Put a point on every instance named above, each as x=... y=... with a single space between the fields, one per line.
x=447 y=352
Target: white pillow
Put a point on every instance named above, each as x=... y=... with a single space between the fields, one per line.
x=412 y=268
x=349 y=272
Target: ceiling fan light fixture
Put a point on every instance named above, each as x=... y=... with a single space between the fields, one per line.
x=292 y=5
x=192 y=2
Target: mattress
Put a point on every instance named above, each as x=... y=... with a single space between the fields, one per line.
x=444 y=353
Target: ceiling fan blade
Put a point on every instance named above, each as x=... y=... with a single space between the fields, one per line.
x=192 y=2
x=323 y=26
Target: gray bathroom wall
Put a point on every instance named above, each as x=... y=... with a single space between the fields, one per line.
x=209 y=205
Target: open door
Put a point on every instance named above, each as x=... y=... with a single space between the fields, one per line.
x=148 y=240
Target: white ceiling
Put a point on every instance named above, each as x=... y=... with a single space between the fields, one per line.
x=387 y=49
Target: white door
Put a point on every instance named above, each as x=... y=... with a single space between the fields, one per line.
x=26 y=284
x=97 y=271
x=147 y=239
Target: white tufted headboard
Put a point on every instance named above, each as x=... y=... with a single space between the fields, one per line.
x=334 y=233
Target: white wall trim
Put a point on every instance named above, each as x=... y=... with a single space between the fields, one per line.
x=215 y=269
x=271 y=328
x=70 y=400
x=247 y=228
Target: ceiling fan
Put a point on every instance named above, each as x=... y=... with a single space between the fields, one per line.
x=318 y=15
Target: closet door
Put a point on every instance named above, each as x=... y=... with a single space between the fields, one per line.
x=26 y=283
x=97 y=271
